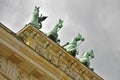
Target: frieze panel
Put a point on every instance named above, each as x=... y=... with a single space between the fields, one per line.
x=41 y=52
x=58 y=60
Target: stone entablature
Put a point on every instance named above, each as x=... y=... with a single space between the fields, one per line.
x=55 y=54
x=20 y=62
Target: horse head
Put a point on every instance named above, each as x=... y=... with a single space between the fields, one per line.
x=79 y=37
x=59 y=25
x=36 y=11
x=88 y=55
x=85 y=58
x=53 y=33
x=91 y=54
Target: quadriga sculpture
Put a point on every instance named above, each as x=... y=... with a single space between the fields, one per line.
x=36 y=20
x=86 y=57
x=71 y=46
x=53 y=34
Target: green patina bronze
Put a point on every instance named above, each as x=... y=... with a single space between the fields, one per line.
x=53 y=34
x=71 y=47
x=86 y=57
x=36 y=20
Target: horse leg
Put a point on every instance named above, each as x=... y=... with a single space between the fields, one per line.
x=72 y=53
x=92 y=69
x=85 y=63
x=52 y=37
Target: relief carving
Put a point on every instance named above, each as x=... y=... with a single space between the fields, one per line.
x=59 y=54
x=54 y=60
x=69 y=71
x=62 y=66
x=75 y=75
x=49 y=56
x=20 y=75
x=46 y=44
x=38 y=49
x=45 y=55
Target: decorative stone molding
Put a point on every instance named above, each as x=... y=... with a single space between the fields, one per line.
x=20 y=61
x=55 y=54
x=16 y=58
x=36 y=57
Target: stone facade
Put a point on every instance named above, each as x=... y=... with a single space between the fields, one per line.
x=31 y=55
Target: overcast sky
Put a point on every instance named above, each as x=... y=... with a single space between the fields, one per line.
x=96 y=20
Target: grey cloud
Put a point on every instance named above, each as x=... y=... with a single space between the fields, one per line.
x=97 y=20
